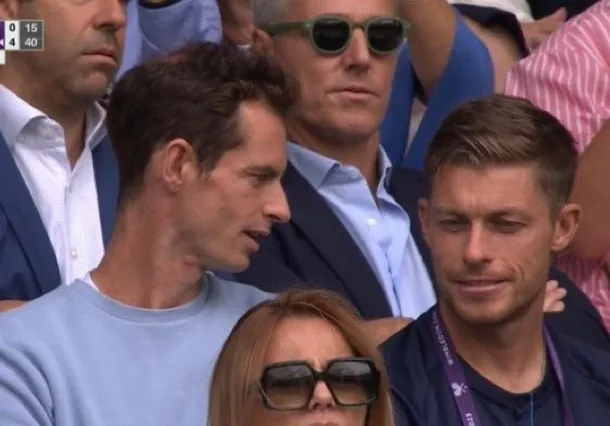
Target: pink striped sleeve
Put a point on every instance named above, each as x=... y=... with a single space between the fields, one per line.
x=569 y=75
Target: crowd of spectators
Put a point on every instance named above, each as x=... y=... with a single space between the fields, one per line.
x=303 y=212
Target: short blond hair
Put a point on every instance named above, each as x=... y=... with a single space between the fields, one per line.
x=241 y=359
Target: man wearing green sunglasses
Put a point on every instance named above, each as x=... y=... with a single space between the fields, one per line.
x=343 y=54
x=354 y=226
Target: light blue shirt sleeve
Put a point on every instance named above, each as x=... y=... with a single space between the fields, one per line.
x=25 y=399
x=158 y=30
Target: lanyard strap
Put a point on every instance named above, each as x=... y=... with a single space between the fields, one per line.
x=457 y=380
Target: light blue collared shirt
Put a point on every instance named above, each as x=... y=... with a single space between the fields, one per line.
x=380 y=228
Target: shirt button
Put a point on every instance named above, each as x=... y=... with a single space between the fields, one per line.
x=74 y=253
x=371 y=222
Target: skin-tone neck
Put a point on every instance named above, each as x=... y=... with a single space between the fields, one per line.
x=69 y=112
x=510 y=355
x=145 y=265
x=362 y=154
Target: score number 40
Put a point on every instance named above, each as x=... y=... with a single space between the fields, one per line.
x=30 y=27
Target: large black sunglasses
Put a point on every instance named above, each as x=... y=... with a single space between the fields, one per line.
x=289 y=386
x=331 y=35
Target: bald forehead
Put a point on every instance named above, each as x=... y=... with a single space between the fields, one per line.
x=353 y=9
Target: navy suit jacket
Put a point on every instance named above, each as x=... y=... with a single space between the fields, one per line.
x=28 y=265
x=314 y=249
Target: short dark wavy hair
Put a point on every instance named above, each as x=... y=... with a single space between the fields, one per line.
x=193 y=93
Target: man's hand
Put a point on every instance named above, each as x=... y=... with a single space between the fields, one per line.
x=382 y=329
x=536 y=32
x=553 y=299
x=8 y=305
x=237 y=20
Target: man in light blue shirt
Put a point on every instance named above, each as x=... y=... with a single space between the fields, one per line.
x=134 y=342
x=378 y=225
x=337 y=151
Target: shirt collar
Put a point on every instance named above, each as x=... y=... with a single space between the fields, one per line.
x=16 y=114
x=315 y=167
x=96 y=125
x=385 y=165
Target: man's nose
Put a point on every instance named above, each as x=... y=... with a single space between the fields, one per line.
x=357 y=53
x=476 y=246
x=278 y=209
x=111 y=15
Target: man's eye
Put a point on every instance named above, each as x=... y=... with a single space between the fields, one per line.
x=508 y=226
x=452 y=225
x=261 y=179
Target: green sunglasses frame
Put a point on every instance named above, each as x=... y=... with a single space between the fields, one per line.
x=308 y=26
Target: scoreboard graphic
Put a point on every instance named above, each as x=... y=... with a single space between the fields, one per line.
x=20 y=36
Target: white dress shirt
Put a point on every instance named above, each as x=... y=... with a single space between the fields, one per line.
x=65 y=196
x=519 y=8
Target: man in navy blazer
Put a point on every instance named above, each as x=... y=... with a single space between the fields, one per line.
x=45 y=97
x=28 y=265
x=354 y=223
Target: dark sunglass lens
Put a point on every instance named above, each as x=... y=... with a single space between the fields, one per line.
x=288 y=387
x=330 y=34
x=385 y=35
x=352 y=382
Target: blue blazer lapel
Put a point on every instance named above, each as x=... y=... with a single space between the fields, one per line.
x=107 y=181
x=21 y=212
x=327 y=234
x=407 y=187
